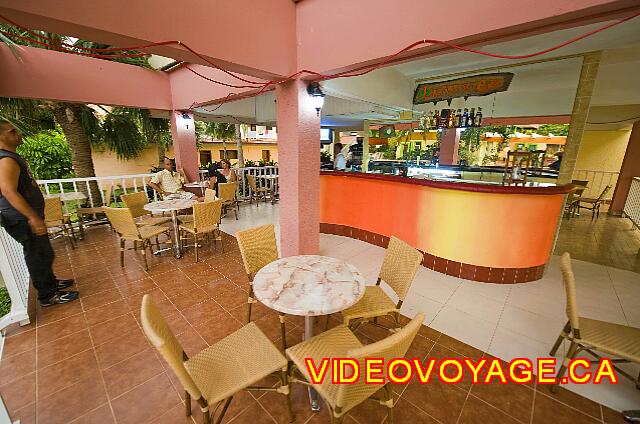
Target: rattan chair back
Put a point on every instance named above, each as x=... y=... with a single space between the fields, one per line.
x=210 y=195
x=570 y=289
x=135 y=202
x=258 y=248
x=399 y=266
x=227 y=191
x=604 y=192
x=53 y=213
x=251 y=179
x=391 y=347
x=206 y=215
x=122 y=222
x=163 y=339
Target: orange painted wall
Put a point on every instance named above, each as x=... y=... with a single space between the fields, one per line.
x=483 y=229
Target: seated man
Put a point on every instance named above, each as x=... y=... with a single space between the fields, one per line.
x=170 y=182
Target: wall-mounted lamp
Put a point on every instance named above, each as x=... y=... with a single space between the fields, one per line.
x=317 y=96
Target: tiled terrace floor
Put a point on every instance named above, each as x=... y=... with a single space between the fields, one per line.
x=88 y=361
x=608 y=240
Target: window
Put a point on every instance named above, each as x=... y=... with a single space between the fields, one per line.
x=205 y=157
x=231 y=154
x=266 y=155
x=253 y=127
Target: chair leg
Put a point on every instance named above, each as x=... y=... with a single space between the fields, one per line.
x=250 y=302
x=561 y=337
x=283 y=332
x=573 y=349
x=195 y=238
x=389 y=398
x=81 y=226
x=122 y=253
x=285 y=382
x=144 y=256
x=187 y=403
x=224 y=410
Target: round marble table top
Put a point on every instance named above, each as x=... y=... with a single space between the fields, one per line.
x=309 y=285
x=169 y=205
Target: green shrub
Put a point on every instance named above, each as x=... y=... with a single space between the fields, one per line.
x=48 y=155
x=5 y=302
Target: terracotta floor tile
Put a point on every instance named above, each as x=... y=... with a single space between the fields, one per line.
x=19 y=343
x=275 y=404
x=239 y=404
x=404 y=412
x=72 y=402
x=189 y=298
x=221 y=326
x=132 y=371
x=20 y=392
x=54 y=313
x=514 y=399
x=95 y=287
x=231 y=299
x=420 y=347
x=219 y=287
x=476 y=411
x=100 y=415
x=50 y=332
x=254 y=414
x=612 y=417
x=129 y=289
x=121 y=348
x=370 y=412
x=202 y=312
x=26 y=415
x=100 y=299
x=176 y=415
x=547 y=410
x=146 y=402
x=441 y=401
x=572 y=399
x=66 y=373
x=108 y=330
x=16 y=366
x=62 y=348
x=459 y=347
x=106 y=312
x=191 y=342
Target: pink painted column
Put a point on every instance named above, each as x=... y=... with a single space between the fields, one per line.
x=184 y=144
x=630 y=168
x=299 y=168
x=449 y=146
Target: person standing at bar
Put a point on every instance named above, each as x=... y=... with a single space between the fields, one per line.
x=22 y=216
x=340 y=160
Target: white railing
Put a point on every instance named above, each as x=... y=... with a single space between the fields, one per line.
x=632 y=204
x=243 y=186
x=598 y=180
x=127 y=183
x=15 y=276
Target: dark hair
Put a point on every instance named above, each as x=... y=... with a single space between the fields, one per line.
x=337 y=146
x=226 y=161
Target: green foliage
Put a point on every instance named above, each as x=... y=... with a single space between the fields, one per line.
x=325 y=156
x=122 y=134
x=555 y=129
x=220 y=130
x=249 y=163
x=262 y=162
x=5 y=302
x=48 y=155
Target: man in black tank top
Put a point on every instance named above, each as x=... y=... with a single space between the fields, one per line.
x=22 y=216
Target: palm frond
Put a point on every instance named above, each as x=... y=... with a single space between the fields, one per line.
x=27 y=115
x=122 y=135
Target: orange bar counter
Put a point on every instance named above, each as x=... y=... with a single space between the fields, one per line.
x=480 y=232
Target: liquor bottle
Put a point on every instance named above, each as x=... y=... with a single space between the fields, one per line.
x=432 y=121
x=452 y=119
x=437 y=119
x=472 y=118
x=479 y=117
x=457 y=122
x=464 y=121
x=444 y=118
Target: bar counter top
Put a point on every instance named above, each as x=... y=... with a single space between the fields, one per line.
x=460 y=184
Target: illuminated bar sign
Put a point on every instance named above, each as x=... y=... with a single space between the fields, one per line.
x=477 y=85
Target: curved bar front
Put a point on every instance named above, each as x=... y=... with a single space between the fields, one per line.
x=487 y=233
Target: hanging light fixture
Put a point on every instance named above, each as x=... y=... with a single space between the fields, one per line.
x=317 y=96
x=187 y=118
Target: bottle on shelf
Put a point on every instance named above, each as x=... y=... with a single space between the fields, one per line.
x=472 y=118
x=464 y=120
x=456 y=119
x=436 y=122
x=478 y=120
x=432 y=120
x=452 y=119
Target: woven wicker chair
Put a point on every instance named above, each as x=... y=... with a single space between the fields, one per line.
x=258 y=248
x=399 y=267
x=92 y=211
x=586 y=334
x=123 y=223
x=206 y=220
x=209 y=196
x=229 y=197
x=340 y=342
x=135 y=202
x=213 y=376
x=592 y=204
x=257 y=192
x=58 y=223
